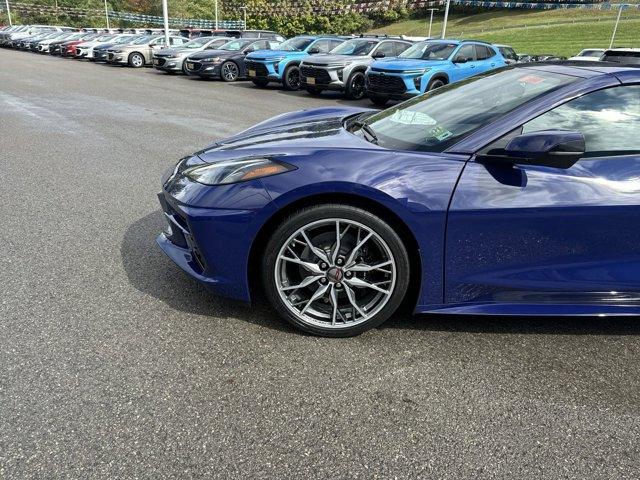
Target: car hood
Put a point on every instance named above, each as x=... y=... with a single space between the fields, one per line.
x=330 y=59
x=105 y=46
x=402 y=64
x=268 y=54
x=306 y=129
x=126 y=46
x=214 y=53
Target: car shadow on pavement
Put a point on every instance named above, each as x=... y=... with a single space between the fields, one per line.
x=152 y=273
x=517 y=325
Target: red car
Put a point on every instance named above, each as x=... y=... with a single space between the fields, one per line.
x=68 y=49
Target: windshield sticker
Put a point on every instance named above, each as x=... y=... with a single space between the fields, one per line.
x=407 y=117
x=439 y=133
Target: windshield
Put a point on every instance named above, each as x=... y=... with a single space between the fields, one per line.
x=435 y=121
x=591 y=53
x=430 y=51
x=358 y=46
x=234 y=45
x=295 y=44
x=197 y=43
x=104 y=38
x=121 y=40
x=141 y=40
x=625 y=57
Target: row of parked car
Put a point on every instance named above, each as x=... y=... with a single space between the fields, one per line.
x=378 y=66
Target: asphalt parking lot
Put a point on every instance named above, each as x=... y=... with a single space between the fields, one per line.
x=115 y=364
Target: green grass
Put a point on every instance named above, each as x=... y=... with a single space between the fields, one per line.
x=560 y=32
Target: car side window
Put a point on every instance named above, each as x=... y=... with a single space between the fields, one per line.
x=466 y=51
x=400 y=47
x=387 y=48
x=483 y=52
x=609 y=120
x=321 y=45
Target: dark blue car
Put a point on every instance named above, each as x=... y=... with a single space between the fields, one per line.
x=514 y=192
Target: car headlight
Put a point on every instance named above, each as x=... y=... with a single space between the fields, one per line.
x=417 y=71
x=212 y=59
x=234 y=171
x=117 y=51
x=277 y=59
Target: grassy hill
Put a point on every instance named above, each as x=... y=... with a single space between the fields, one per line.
x=561 y=32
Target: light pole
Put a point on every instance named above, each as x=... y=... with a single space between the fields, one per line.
x=216 y=13
x=165 y=14
x=446 y=17
x=615 y=28
x=244 y=12
x=431 y=19
x=106 y=13
x=9 y=13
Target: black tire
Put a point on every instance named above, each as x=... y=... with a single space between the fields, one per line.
x=260 y=82
x=436 y=83
x=379 y=101
x=315 y=91
x=229 y=71
x=291 y=78
x=184 y=69
x=305 y=217
x=355 y=89
x=136 y=60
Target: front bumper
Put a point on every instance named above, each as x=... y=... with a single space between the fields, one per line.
x=327 y=78
x=99 y=56
x=211 y=245
x=269 y=71
x=203 y=69
x=168 y=64
x=390 y=85
x=116 y=57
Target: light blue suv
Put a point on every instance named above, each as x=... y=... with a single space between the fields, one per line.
x=283 y=65
x=429 y=65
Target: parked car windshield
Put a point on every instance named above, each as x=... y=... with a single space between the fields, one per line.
x=121 y=40
x=435 y=121
x=626 y=57
x=359 y=46
x=197 y=42
x=591 y=53
x=295 y=44
x=430 y=51
x=141 y=40
x=235 y=45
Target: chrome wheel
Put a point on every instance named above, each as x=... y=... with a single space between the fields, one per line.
x=229 y=72
x=335 y=273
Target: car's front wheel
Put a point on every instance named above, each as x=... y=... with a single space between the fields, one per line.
x=435 y=84
x=229 y=71
x=335 y=270
x=291 y=78
x=136 y=60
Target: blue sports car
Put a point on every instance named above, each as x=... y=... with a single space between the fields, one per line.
x=514 y=192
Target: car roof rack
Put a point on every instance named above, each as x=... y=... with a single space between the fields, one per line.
x=484 y=42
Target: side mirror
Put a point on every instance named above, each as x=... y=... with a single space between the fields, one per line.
x=547 y=148
x=313 y=50
x=379 y=55
x=460 y=59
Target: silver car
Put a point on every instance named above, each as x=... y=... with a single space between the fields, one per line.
x=140 y=52
x=171 y=60
x=343 y=68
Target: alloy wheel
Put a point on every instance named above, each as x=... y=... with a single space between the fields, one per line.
x=293 y=78
x=229 y=72
x=356 y=88
x=335 y=273
x=136 y=60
